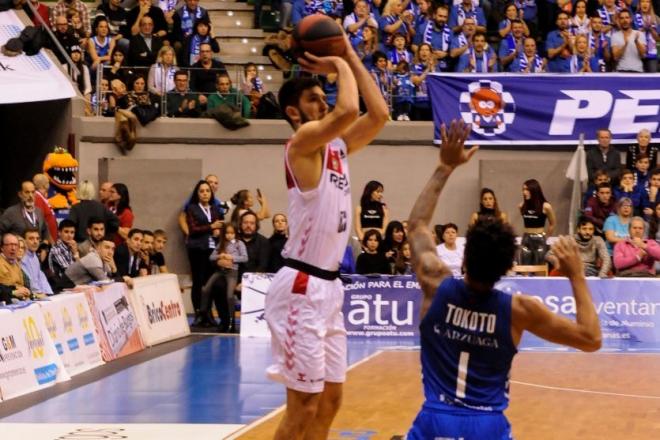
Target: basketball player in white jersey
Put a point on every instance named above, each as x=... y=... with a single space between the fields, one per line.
x=304 y=302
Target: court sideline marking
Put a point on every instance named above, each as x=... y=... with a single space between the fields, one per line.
x=577 y=390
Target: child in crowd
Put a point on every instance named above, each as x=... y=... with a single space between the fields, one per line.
x=252 y=86
x=399 y=52
x=404 y=91
x=627 y=188
x=157 y=258
x=371 y=260
x=382 y=76
x=642 y=164
x=600 y=176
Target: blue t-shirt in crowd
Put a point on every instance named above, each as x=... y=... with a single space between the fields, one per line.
x=558 y=63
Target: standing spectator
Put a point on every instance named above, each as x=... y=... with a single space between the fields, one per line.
x=76 y=13
x=371 y=213
x=600 y=207
x=161 y=73
x=204 y=225
x=277 y=242
x=203 y=76
x=24 y=215
x=127 y=257
x=535 y=210
x=82 y=77
x=579 y=23
x=43 y=11
x=258 y=247
x=582 y=61
x=394 y=238
x=395 y=21
x=511 y=15
x=593 y=251
x=144 y=45
x=398 y=52
x=512 y=45
x=95 y=235
x=221 y=207
x=488 y=208
x=424 y=64
x=449 y=251
x=643 y=146
x=181 y=102
x=437 y=33
x=636 y=256
x=480 y=58
x=368 y=46
x=120 y=205
x=628 y=46
x=64 y=252
x=608 y=15
x=558 y=46
x=648 y=23
x=87 y=208
x=31 y=264
x=462 y=41
x=192 y=45
x=404 y=92
x=383 y=77
x=372 y=260
x=599 y=43
x=159 y=25
x=104 y=192
x=358 y=20
x=616 y=226
x=41 y=185
x=243 y=202
x=604 y=157
x=13 y=282
x=185 y=18
x=467 y=9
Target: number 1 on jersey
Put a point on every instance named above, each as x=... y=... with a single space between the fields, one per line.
x=461 y=377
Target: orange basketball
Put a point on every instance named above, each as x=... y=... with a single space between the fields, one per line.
x=320 y=35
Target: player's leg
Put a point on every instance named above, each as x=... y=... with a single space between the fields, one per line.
x=301 y=411
x=328 y=407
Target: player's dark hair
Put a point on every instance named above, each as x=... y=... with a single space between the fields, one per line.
x=292 y=90
x=490 y=246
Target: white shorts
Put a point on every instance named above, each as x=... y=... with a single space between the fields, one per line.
x=307 y=328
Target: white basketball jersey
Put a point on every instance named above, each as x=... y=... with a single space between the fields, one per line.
x=320 y=219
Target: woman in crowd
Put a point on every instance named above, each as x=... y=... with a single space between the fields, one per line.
x=244 y=201
x=395 y=236
x=535 y=211
x=582 y=60
x=161 y=74
x=371 y=213
x=616 y=227
x=82 y=78
x=120 y=205
x=367 y=45
x=372 y=261
x=643 y=146
x=252 y=86
x=403 y=265
x=395 y=21
x=101 y=45
x=201 y=34
x=424 y=63
x=277 y=242
x=511 y=12
x=646 y=21
x=204 y=226
x=449 y=251
x=87 y=208
x=488 y=208
x=117 y=68
x=146 y=106
x=579 y=23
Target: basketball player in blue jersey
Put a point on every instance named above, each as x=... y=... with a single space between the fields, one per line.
x=469 y=330
x=304 y=301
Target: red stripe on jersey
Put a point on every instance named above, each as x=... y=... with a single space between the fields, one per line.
x=300 y=283
x=334 y=161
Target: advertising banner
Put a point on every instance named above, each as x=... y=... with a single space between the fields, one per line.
x=28 y=358
x=115 y=321
x=28 y=78
x=70 y=325
x=253 y=297
x=549 y=109
x=159 y=308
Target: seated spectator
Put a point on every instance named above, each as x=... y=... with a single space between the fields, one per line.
x=628 y=46
x=394 y=238
x=480 y=58
x=181 y=102
x=358 y=20
x=604 y=157
x=144 y=45
x=258 y=247
x=146 y=105
x=118 y=68
x=643 y=146
x=82 y=77
x=488 y=208
x=462 y=41
x=404 y=92
x=558 y=46
x=41 y=186
x=119 y=204
x=627 y=188
x=512 y=46
x=437 y=33
x=243 y=202
x=608 y=14
x=277 y=242
x=424 y=64
x=76 y=13
x=529 y=61
x=600 y=207
x=616 y=227
x=101 y=44
x=423 y=16
x=95 y=234
x=161 y=73
x=191 y=49
x=636 y=256
x=226 y=94
x=13 y=282
x=641 y=172
x=511 y=15
x=372 y=261
x=650 y=195
x=156 y=257
x=449 y=251
x=117 y=18
x=599 y=42
x=647 y=22
x=65 y=36
x=24 y=215
x=146 y=249
x=31 y=265
x=599 y=176
x=398 y=52
x=87 y=209
x=582 y=61
x=64 y=252
x=252 y=86
x=403 y=264
x=579 y=23
x=159 y=24
x=395 y=21
x=185 y=18
x=127 y=256
x=596 y=259
x=461 y=12
x=97 y=265
x=205 y=71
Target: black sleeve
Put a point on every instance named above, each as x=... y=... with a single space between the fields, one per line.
x=111 y=221
x=5 y=293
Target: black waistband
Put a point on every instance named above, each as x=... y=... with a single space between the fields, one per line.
x=311 y=270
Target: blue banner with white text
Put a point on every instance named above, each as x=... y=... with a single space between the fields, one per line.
x=547 y=109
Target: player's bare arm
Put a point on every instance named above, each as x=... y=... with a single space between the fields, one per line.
x=365 y=129
x=529 y=314
x=426 y=264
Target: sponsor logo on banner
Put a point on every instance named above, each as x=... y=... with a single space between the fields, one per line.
x=83 y=317
x=34 y=338
x=66 y=320
x=163 y=311
x=487 y=107
x=11 y=351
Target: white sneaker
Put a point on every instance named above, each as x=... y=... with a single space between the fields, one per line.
x=400 y=118
x=406 y=117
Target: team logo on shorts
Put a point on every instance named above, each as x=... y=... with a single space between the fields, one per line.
x=487 y=107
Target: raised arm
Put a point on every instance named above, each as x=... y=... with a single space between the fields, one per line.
x=426 y=264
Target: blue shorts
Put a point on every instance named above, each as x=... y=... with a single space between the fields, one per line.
x=441 y=425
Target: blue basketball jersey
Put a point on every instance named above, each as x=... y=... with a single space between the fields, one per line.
x=467 y=349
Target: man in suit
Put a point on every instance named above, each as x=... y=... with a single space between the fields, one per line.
x=127 y=256
x=24 y=215
x=604 y=157
x=143 y=48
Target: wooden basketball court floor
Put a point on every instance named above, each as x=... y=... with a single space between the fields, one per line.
x=213 y=387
